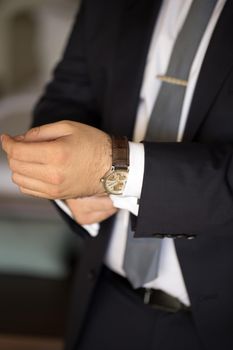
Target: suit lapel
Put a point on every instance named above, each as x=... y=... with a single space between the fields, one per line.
x=215 y=68
x=135 y=33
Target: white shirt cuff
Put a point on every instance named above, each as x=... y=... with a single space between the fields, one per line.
x=133 y=186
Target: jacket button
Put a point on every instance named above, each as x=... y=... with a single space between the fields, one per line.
x=180 y=236
x=191 y=237
x=158 y=235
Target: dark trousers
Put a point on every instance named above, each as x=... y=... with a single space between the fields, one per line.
x=118 y=320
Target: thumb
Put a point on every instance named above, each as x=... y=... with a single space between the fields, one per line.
x=47 y=132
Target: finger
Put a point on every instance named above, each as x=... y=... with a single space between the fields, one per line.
x=92 y=217
x=34 y=193
x=100 y=216
x=18 y=138
x=97 y=203
x=42 y=172
x=21 y=181
x=90 y=210
x=29 y=152
x=89 y=204
x=48 y=132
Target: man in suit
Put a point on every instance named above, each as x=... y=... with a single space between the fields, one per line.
x=183 y=190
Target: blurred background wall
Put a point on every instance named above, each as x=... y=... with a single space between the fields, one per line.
x=36 y=247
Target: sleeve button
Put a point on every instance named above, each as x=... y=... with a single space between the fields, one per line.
x=191 y=237
x=158 y=235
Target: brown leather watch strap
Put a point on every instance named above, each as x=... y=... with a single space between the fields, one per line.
x=120 y=152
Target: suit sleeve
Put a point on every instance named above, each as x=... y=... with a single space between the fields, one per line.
x=69 y=94
x=187 y=190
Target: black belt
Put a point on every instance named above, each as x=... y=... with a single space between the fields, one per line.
x=156 y=298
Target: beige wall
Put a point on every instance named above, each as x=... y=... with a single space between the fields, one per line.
x=32 y=33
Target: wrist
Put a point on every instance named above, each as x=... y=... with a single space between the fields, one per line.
x=105 y=161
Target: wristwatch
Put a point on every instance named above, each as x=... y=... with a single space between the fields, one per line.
x=115 y=179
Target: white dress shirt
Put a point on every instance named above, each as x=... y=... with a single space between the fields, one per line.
x=171 y=18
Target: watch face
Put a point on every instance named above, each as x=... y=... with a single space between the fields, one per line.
x=115 y=182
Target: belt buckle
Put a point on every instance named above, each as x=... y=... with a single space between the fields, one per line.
x=147 y=296
x=163 y=306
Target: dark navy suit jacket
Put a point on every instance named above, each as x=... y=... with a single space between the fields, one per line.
x=188 y=187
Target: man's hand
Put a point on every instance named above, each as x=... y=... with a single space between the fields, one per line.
x=91 y=210
x=62 y=160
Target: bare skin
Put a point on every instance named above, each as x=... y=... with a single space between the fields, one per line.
x=90 y=210
x=63 y=160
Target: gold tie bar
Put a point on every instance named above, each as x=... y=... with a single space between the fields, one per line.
x=172 y=80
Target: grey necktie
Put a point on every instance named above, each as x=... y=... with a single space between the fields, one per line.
x=142 y=254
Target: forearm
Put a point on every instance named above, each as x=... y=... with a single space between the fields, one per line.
x=69 y=94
